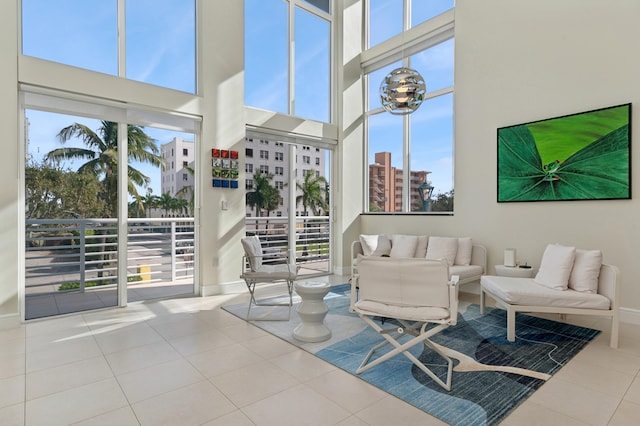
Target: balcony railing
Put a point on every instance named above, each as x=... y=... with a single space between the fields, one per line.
x=67 y=255
x=312 y=238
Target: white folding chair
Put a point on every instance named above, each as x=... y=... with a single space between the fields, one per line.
x=416 y=293
x=258 y=267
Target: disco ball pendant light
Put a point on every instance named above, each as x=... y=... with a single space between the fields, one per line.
x=402 y=91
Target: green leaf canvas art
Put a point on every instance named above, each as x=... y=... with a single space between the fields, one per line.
x=584 y=156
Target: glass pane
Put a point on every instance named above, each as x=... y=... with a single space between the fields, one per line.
x=435 y=65
x=70 y=211
x=432 y=151
x=385 y=163
x=375 y=79
x=161 y=242
x=80 y=33
x=266 y=55
x=422 y=10
x=385 y=20
x=160 y=43
x=272 y=214
x=312 y=63
x=324 y=5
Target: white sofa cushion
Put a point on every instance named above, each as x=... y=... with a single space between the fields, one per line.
x=403 y=245
x=421 y=248
x=465 y=272
x=375 y=245
x=463 y=255
x=586 y=271
x=555 y=267
x=442 y=248
x=526 y=292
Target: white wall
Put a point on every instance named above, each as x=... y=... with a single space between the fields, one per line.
x=521 y=61
x=9 y=213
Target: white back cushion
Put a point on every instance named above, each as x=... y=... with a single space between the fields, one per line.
x=421 y=248
x=375 y=245
x=403 y=245
x=586 y=271
x=253 y=251
x=555 y=267
x=442 y=248
x=463 y=255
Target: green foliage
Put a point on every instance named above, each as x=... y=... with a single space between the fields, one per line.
x=51 y=192
x=314 y=194
x=443 y=202
x=101 y=153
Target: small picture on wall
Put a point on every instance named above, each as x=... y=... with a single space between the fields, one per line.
x=583 y=156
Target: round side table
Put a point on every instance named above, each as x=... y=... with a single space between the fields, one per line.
x=513 y=271
x=312 y=311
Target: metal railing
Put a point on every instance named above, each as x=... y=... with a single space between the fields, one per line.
x=65 y=255
x=312 y=238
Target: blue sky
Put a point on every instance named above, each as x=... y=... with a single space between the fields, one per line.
x=160 y=50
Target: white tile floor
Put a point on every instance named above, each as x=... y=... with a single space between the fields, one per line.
x=187 y=362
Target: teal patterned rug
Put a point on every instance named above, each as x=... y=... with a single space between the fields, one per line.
x=480 y=395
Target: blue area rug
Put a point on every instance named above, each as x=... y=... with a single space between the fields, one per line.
x=477 y=397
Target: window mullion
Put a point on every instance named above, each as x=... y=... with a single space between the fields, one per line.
x=292 y=58
x=122 y=52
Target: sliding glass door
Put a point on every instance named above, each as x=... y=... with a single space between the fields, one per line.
x=98 y=235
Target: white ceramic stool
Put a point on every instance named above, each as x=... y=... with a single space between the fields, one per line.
x=312 y=311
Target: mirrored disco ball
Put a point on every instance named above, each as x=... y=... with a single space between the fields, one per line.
x=402 y=91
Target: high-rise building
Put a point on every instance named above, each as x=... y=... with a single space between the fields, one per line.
x=177 y=177
x=385 y=185
x=269 y=156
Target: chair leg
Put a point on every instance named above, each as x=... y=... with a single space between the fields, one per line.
x=511 y=325
x=403 y=348
x=251 y=286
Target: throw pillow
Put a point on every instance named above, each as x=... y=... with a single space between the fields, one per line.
x=403 y=245
x=421 y=248
x=463 y=255
x=442 y=248
x=555 y=267
x=586 y=271
x=375 y=245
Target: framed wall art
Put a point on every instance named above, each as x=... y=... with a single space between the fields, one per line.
x=582 y=156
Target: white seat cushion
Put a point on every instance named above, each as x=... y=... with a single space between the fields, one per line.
x=272 y=272
x=414 y=313
x=525 y=291
x=465 y=272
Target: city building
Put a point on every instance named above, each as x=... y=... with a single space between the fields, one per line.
x=386 y=183
x=272 y=157
x=179 y=158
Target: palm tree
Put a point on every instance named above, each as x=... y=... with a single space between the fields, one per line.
x=314 y=193
x=262 y=192
x=102 y=155
x=166 y=203
x=188 y=192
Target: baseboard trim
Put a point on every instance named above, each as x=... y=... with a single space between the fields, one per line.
x=631 y=316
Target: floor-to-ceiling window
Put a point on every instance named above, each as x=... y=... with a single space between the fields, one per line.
x=96 y=234
x=409 y=162
x=152 y=41
x=288 y=200
x=288 y=57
